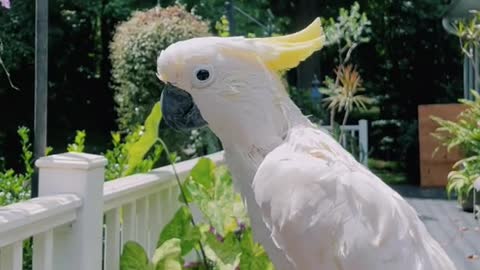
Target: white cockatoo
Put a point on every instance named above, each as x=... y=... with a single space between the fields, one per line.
x=312 y=205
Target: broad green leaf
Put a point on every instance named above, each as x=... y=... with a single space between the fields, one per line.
x=169 y=249
x=225 y=255
x=203 y=171
x=227 y=251
x=169 y=264
x=138 y=150
x=134 y=257
x=253 y=255
x=168 y=255
x=220 y=205
x=180 y=227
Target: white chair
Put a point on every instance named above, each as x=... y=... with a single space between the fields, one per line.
x=476 y=208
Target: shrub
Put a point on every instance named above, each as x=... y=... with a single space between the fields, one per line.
x=463 y=133
x=134 y=49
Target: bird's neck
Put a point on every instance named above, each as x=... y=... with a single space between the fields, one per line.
x=265 y=127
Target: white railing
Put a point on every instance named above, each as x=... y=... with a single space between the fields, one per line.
x=356 y=134
x=79 y=222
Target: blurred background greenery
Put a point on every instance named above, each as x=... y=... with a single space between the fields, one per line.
x=96 y=85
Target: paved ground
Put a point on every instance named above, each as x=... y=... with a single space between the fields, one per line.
x=456 y=230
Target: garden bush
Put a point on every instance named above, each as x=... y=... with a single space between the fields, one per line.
x=134 y=50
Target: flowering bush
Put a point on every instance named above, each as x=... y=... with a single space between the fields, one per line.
x=134 y=50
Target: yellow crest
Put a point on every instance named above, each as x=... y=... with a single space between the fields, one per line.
x=288 y=51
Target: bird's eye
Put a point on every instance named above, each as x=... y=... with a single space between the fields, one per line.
x=203 y=75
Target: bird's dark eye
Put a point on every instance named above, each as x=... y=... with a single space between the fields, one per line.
x=203 y=75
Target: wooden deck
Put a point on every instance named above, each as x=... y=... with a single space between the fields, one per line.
x=455 y=230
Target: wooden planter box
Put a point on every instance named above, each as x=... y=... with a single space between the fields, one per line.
x=435 y=168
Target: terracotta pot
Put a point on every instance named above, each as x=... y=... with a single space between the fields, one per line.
x=435 y=168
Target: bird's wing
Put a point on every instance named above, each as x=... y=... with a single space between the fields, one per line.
x=325 y=211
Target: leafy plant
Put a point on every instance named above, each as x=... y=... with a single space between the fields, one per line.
x=78 y=144
x=166 y=257
x=138 y=152
x=224 y=237
x=222 y=27
x=134 y=50
x=346 y=95
x=461 y=181
x=463 y=133
x=468 y=32
x=346 y=33
x=15 y=186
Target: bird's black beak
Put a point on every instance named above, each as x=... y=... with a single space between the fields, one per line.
x=179 y=110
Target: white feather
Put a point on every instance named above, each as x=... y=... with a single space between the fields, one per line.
x=326 y=211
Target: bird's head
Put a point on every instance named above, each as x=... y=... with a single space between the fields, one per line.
x=212 y=79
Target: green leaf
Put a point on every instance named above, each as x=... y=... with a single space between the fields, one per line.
x=220 y=205
x=167 y=256
x=180 y=227
x=134 y=257
x=203 y=171
x=138 y=150
x=226 y=252
x=78 y=144
x=253 y=255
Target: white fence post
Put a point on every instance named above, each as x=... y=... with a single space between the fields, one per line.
x=363 y=141
x=79 y=246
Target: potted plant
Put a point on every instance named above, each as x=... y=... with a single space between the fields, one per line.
x=464 y=134
x=434 y=169
x=461 y=182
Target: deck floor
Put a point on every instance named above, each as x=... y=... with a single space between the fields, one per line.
x=454 y=229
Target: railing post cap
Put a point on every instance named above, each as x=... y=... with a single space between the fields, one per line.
x=81 y=161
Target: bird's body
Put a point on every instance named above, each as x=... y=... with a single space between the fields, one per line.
x=311 y=204
x=332 y=213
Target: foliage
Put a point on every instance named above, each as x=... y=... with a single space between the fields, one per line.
x=350 y=29
x=222 y=27
x=166 y=257
x=261 y=11
x=345 y=95
x=138 y=152
x=15 y=186
x=465 y=134
x=410 y=60
x=78 y=144
x=224 y=236
x=118 y=156
x=391 y=172
x=461 y=180
x=134 y=50
x=309 y=107
x=201 y=142
x=468 y=32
